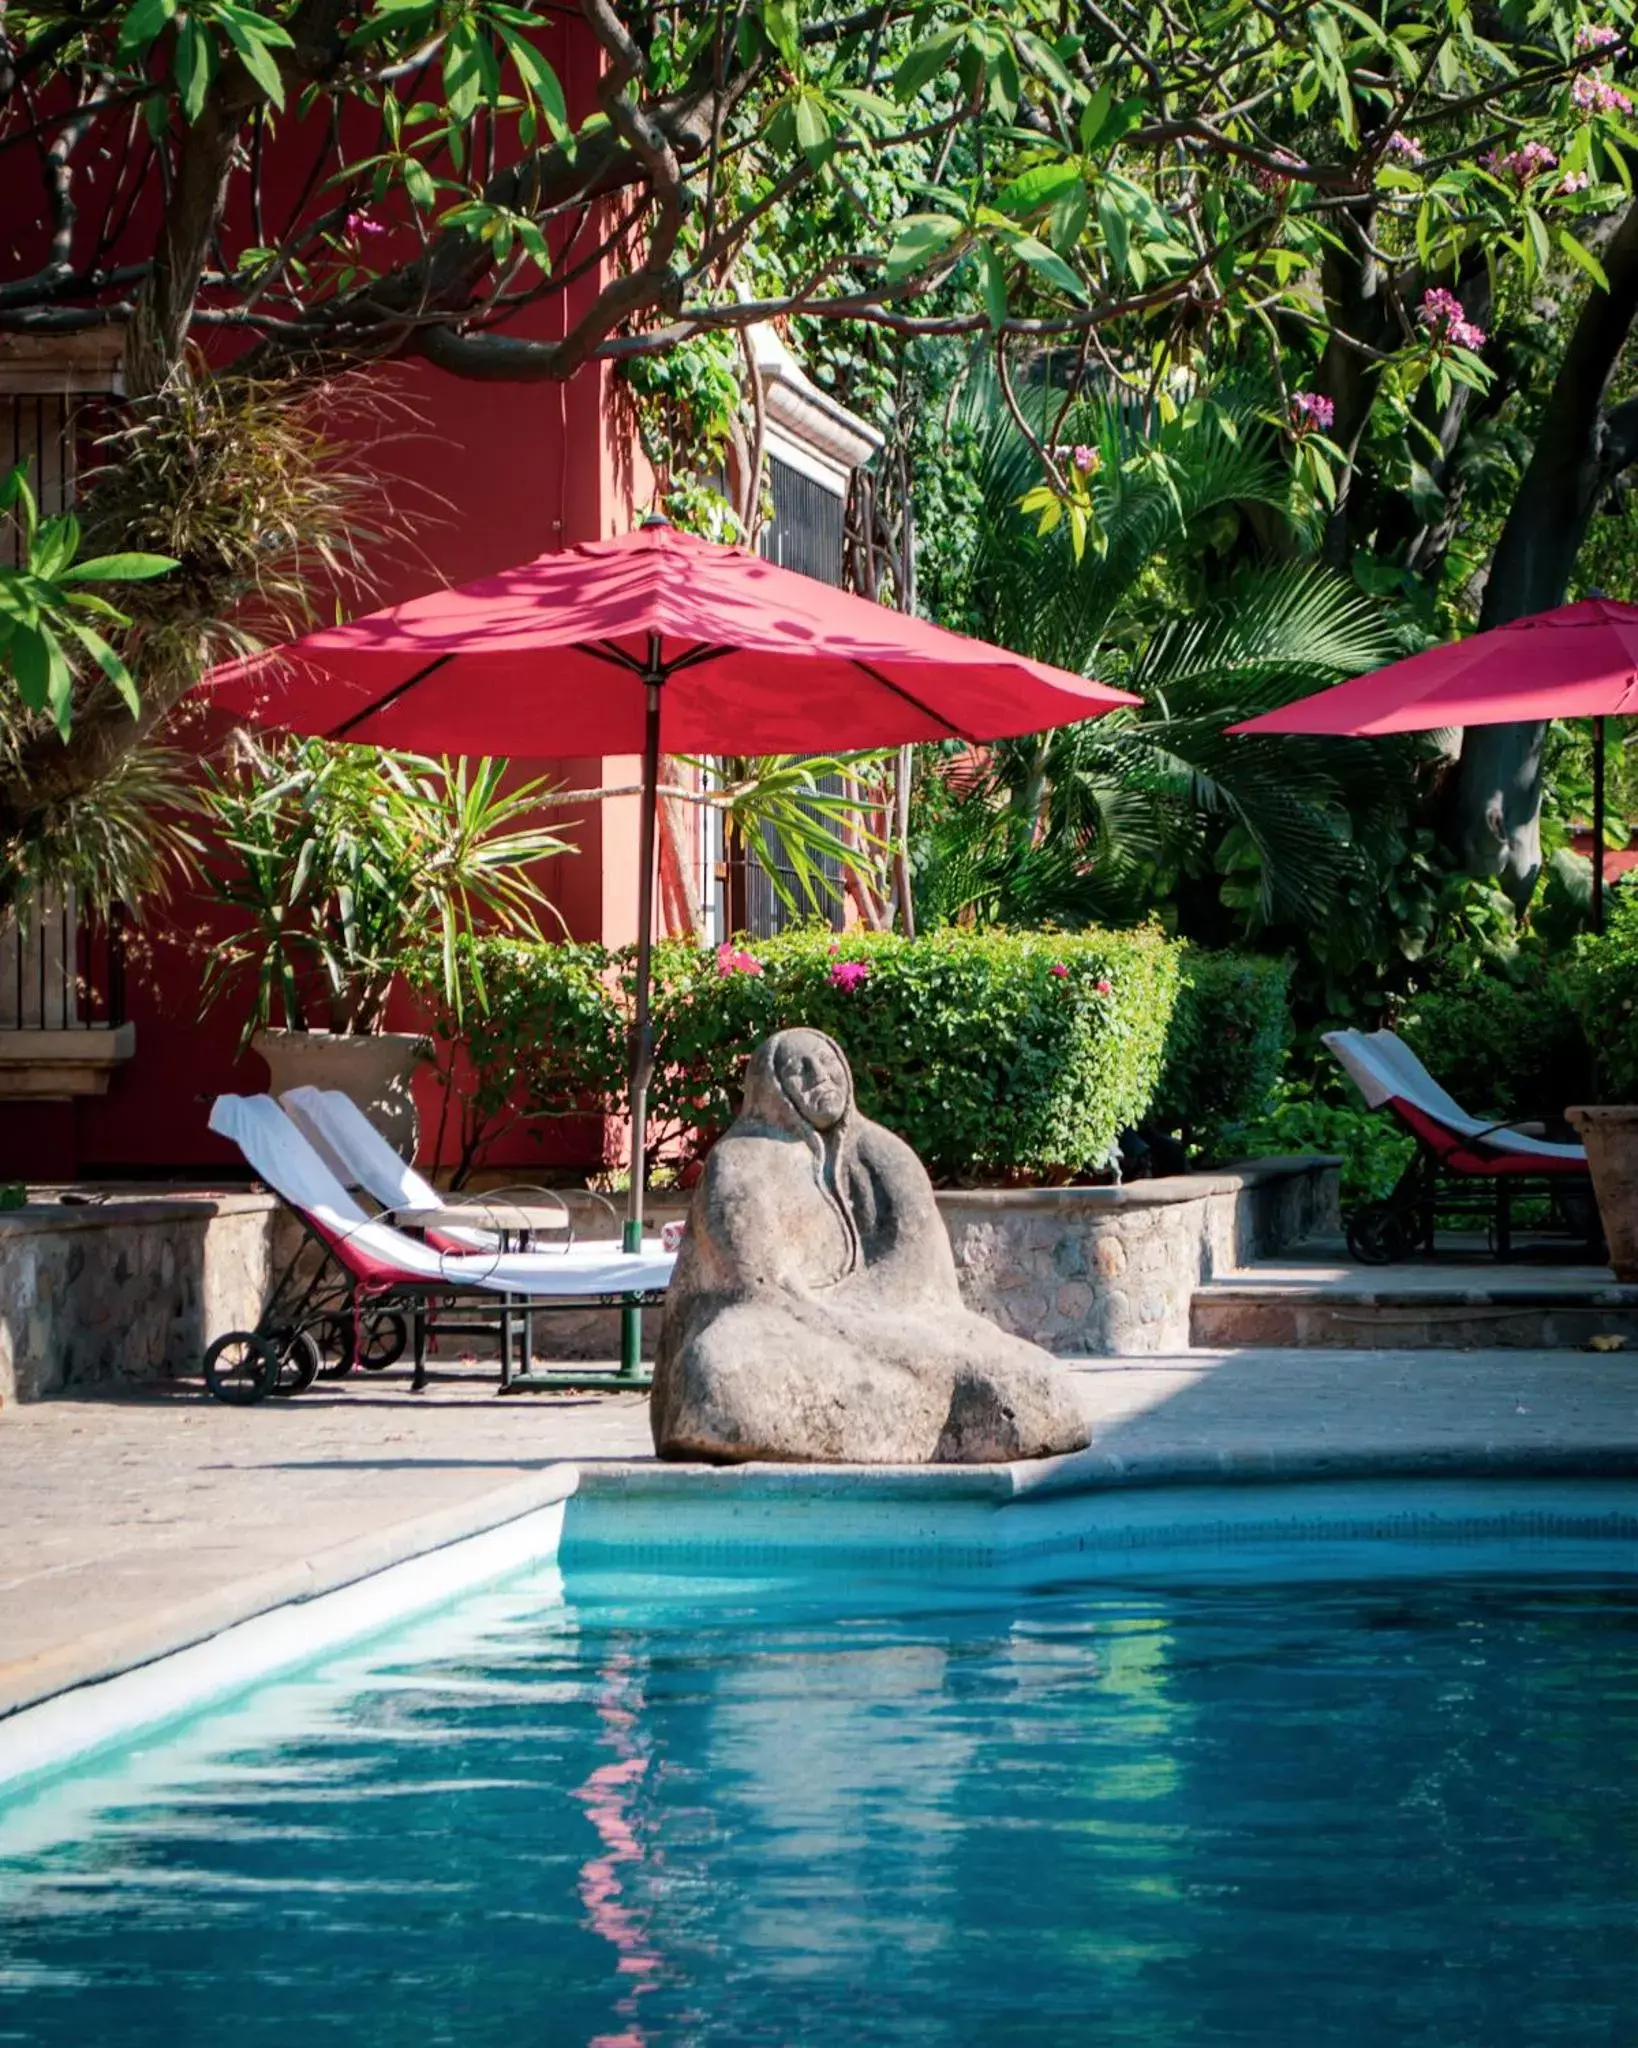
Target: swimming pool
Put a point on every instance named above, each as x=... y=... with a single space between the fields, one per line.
x=810 y=1808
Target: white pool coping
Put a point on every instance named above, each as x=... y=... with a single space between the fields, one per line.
x=1015 y=1526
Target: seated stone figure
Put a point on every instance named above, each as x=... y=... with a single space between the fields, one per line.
x=814 y=1313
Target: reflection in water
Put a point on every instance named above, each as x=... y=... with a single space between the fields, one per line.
x=610 y=1799
x=792 y=1816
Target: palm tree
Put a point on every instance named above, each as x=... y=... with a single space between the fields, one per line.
x=1106 y=819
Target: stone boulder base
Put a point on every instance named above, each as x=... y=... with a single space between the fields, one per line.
x=794 y=1390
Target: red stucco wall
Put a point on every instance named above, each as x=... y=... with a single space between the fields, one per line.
x=487 y=475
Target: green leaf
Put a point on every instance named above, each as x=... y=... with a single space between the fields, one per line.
x=813 y=136
x=922 y=238
x=780 y=21
x=54 y=546
x=993 y=278
x=1050 y=266
x=1038 y=188
x=418 y=183
x=463 y=75
x=924 y=61
x=111 y=665
x=254 y=54
x=196 y=65
x=1042 y=58
x=143 y=23
x=540 y=81
x=1584 y=258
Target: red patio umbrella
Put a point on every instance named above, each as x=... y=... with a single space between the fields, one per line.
x=656 y=640
x=1579 y=661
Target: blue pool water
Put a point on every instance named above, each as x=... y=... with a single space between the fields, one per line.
x=765 y=1813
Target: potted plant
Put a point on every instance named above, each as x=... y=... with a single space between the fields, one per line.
x=346 y=865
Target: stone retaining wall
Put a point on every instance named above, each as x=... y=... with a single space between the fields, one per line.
x=1111 y=1272
x=134 y=1287
x=126 y=1289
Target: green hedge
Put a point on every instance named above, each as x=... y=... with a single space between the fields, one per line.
x=1602 y=990
x=1229 y=1037
x=1506 y=1047
x=992 y=1053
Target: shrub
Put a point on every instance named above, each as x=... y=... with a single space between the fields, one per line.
x=1300 y=1116
x=991 y=1052
x=1506 y=1046
x=1229 y=1037
x=1602 y=988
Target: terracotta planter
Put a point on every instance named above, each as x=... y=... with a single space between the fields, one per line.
x=1610 y=1134
x=373 y=1068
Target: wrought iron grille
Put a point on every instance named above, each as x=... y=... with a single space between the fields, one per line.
x=804 y=534
x=806 y=530
x=61 y=970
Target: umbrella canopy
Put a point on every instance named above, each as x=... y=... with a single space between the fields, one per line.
x=552 y=658
x=656 y=640
x=1580 y=661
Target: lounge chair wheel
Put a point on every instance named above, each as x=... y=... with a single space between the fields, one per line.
x=384 y=1337
x=241 y=1367
x=1378 y=1234
x=299 y=1362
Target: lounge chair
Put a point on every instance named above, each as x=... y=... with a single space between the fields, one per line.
x=1463 y=1163
x=359 y=1157
x=371 y=1270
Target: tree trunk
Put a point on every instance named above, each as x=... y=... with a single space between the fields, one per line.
x=1493 y=818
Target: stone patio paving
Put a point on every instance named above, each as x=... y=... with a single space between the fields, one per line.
x=133 y=1524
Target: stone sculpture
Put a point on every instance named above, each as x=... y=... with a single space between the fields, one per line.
x=814 y=1315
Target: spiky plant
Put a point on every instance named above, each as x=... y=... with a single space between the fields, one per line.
x=267 y=520
x=1102 y=820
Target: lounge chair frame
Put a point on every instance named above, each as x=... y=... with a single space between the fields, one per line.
x=321 y=1304
x=1462 y=1166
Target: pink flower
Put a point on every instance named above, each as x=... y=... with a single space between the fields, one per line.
x=848 y=974
x=1445 y=317
x=1311 y=409
x=730 y=960
x=1525 y=163
x=1574 y=181
x=1595 y=37
x=1598 y=96
x=1405 y=147
x=1104 y=986
x=1086 y=460
x=357 y=224
x=1058 y=971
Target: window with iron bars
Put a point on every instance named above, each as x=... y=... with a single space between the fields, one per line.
x=804 y=533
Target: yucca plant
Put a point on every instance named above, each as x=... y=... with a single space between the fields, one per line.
x=1101 y=820
x=347 y=866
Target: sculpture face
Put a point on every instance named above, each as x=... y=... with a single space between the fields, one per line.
x=814 y=1077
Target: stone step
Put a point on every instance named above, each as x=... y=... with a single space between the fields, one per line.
x=1462 y=1305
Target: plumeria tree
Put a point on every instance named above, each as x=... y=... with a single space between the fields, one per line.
x=1357 y=191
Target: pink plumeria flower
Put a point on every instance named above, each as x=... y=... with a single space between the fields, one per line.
x=848 y=974
x=1310 y=410
x=361 y=224
x=1598 y=96
x=1595 y=36
x=1574 y=181
x=1446 y=318
x=1087 y=460
x=1405 y=148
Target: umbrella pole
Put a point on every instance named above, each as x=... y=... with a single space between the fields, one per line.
x=642 y=1036
x=1596 y=920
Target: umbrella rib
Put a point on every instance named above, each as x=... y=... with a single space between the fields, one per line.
x=915 y=703
x=347 y=725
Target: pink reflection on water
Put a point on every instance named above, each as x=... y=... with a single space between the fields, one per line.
x=610 y=1797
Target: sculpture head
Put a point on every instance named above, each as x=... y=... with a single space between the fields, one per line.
x=813 y=1075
